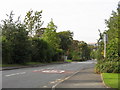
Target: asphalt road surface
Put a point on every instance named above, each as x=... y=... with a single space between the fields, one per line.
x=41 y=77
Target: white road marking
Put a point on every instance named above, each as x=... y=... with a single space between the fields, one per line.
x=52 y=82
x=46 y=71
x=83 y=62
x=44 y=86
x=53 y=71
x=15 y=74
x=62 y=71
x=22 y=72
x=53 y=87
x=10 y=75
x=58 y=79
x=38 y=70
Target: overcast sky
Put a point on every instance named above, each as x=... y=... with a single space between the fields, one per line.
x=83 y=17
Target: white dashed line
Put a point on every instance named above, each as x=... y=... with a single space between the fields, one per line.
x=62 y=71
x=22 y=73
x=52 y=82
x=44 y=86
x=58 y=79
x=53 y=87
x=38 y=70
x=10 y=75
x=15 y=74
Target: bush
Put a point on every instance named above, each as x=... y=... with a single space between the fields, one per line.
x=107 y=67
x=41 y=51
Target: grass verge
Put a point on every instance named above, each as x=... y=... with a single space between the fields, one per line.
x=68 y=60
x=111 y=80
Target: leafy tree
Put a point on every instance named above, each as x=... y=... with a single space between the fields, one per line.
x=110 y=63
x=41 y=51
x=40 y=32
x=50 y=35
x=14 y=41
x=66 y=40
x=33 y=21
x=118 y=10
x=113 y=24
x=74 y=50
x=80 y=50
x=84 y=50
x=112 y=50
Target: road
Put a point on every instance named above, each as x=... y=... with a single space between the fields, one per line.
x=41 y=77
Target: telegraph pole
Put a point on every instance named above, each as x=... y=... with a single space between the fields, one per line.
x=105 y=43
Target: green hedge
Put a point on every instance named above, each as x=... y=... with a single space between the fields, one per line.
x=107 y=67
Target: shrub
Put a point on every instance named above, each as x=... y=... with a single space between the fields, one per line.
x=107 y=67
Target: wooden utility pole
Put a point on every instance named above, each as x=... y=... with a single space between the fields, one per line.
x=105 y=42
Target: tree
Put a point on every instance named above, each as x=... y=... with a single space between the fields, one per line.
x=50 y=35
x=15 y=44
x=74 y=50
x=33 y=21
x=66 y=40
x=118 y=10
x=84 y=50
x=80 y=51
x=41 y=51
x=113 y=24
x=110 y=63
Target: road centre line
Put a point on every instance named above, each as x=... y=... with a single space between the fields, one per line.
x=15 y=74
x=57 y=80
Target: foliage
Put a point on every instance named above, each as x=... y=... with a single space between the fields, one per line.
x=112 y=50
x=50 y=35
x=14 y=41
x=79 y=51
x=107 y=67
x=66 y=40
x=110 y=63
x=85 y=50
x=41 y=51
x=33 y=21
x=74 y=52
x=27 y=42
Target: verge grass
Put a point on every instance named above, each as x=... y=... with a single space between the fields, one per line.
x=68 y=60
x=112 y=80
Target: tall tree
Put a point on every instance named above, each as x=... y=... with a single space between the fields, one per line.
x=113 y=24
x=14 y=41
x=66 y=40
x=33 y=21
x=50 y=35
x=110 y=63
